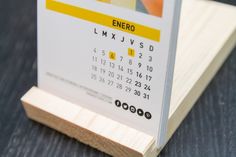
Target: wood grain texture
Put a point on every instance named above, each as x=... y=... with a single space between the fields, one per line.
x=86 y=126
x=208 y=130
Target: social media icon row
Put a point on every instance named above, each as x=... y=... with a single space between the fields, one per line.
x=133 y=109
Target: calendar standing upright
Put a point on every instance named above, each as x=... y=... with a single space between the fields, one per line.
x=115 y=57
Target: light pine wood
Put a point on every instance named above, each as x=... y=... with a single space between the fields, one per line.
x=207 y=35
x=86 y=126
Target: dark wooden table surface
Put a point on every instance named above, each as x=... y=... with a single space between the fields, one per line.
x=209 y=130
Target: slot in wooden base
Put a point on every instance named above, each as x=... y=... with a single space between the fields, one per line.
x=207 y=35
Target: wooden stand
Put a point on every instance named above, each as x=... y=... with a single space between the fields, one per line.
x=207 y=35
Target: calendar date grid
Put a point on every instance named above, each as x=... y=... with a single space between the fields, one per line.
x=125 y=71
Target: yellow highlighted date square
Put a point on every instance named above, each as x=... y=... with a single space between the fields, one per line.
x=131 y=52
x=112 y=55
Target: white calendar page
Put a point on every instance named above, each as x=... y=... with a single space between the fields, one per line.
x=114 y=57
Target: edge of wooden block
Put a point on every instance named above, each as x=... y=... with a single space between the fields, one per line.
x=81 y=133
x=200 y=86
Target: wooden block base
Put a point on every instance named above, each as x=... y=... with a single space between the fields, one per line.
x=207 y=35
x=88 y=127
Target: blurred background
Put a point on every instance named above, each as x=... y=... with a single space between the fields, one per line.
x=20 y=136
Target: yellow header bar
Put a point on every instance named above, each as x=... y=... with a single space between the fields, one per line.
x=103 y=19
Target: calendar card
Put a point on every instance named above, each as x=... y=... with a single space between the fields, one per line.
x=114 y=57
